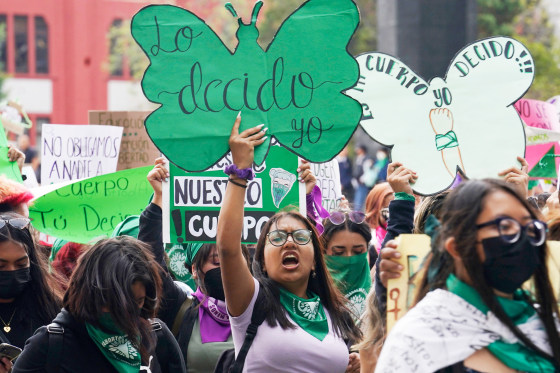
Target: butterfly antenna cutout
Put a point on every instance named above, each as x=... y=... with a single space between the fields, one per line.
x=231 y=10
x=256 y=10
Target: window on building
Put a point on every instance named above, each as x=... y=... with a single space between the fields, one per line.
x=3 y=49
x=41 y=46
x=21 y=44
x=116 y=55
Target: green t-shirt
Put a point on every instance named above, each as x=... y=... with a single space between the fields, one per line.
x=202 y=358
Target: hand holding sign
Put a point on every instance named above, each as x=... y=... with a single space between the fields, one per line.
x=291 y=87
x=450 y=124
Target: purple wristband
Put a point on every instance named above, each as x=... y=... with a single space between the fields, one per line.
x=246 y=173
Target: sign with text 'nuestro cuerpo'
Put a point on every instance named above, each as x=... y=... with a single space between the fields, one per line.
x=192 y=201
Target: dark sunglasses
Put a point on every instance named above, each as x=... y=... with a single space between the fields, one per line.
x=339 y=217
x=18 y=223
x=279 y=237
x=510 y=230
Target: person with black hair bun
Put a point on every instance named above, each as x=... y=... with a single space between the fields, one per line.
x=471 y=312
x=107 y=321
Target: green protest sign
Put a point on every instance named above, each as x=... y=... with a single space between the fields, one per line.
x=90 y=208
x=192 y=201
x=9 y=169
x=294 y=86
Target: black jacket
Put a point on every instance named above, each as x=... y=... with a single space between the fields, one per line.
x=81 y=354
x=401 y=220
x=150 y=232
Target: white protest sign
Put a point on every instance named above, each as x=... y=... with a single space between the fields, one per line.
x=328 y=181
x=72 y=152
x=464 y=121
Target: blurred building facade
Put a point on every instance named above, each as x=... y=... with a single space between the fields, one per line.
x=54 y=52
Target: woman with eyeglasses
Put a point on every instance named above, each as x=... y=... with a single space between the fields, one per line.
x=306 y=321
x=29 y=296
x=107 y=323
x=472 y=312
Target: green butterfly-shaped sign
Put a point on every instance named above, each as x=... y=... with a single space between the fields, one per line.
x=294 y=87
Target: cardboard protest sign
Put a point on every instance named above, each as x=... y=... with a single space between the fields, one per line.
x=192 y=201
x=328 y=180
x=542 y=146
x=137 y=150
x=401 y=291
x=291 y=87
x=72 y=152
x=90 y=208
x=8 y=169
x=465 y=121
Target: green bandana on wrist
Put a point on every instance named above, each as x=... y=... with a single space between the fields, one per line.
x=446 y=141
x=352 y=277
x=309 y=314
x=516 y=355
x=115 y=346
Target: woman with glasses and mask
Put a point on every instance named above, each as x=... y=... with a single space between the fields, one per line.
x=472 y=313
x=29 y=296
x=306 y=321
x=377 y=212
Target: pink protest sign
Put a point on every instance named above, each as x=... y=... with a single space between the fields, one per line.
x=544 y=115
x=538 y=114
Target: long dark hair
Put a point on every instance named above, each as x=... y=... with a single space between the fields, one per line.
x=41 y=299
x=103 y=280
x=460 y=211
x=322 y=285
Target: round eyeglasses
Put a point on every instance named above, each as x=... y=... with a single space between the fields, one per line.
x=510 y=230
x=339 y=217
x=279 y=237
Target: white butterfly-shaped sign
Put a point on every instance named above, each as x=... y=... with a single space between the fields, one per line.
x=466 y=121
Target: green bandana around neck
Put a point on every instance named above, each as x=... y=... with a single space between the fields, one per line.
x=516 y=355
x=352 y=277
x=115 y=346
x=309 y=314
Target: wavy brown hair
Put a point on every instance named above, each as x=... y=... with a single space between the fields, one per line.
x=103 y=281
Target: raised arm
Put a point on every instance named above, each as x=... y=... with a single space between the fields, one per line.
x=236 y=277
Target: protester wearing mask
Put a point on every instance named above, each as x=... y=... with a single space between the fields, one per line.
x=346 y=238
x=29 y=296
x=491 y=241
x=106 y=324
x=201 y=324
x=377 y=213
x=305 y=319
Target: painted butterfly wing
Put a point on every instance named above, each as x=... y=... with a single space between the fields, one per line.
x=177 y=43
x=465 y=122
x=318 y=33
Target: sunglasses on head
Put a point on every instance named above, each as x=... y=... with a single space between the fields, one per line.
x=339 y=217
x=18 y=223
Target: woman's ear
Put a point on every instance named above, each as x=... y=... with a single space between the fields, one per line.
x=451 y=247
x=194 y=273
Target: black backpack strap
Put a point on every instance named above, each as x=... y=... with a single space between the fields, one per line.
x=257 y=318
x=179 y=317
x=56 y=339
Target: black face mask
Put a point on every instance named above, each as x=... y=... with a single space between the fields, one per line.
x=13 y=283
x=213 y=283
x=508 y=266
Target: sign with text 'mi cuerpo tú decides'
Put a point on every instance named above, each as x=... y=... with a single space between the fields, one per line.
x=91 y=208
x=192 y=201
x=137 y=149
